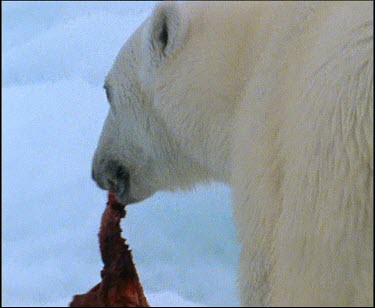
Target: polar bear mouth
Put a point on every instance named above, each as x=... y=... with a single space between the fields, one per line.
x=121 y=187
x=119 y=183
x=113 y=175
x=122 y=193
x=117 y=179
x=124 y=197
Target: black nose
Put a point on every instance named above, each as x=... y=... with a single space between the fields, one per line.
x=113 y=175
x=122 y=175
x=117 y=176
x=121 y=182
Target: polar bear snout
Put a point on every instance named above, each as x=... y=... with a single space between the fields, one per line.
x=118 y=177
x=113 y=176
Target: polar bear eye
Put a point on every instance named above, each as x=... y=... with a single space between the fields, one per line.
x=106 y=91
x=108 y=94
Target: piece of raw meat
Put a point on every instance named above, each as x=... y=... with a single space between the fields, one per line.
x=120 y=286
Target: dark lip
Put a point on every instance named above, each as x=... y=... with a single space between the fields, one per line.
x=121 y=193
x=125 y=198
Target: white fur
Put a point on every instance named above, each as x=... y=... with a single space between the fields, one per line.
x=275 y=99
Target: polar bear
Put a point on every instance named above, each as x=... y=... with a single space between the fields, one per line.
x=276 y=100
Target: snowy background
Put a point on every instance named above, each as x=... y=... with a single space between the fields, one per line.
x=55 y=56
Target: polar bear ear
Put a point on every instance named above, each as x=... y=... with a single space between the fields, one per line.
x=167 y=29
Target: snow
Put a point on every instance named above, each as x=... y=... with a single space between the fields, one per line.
x=55 y=56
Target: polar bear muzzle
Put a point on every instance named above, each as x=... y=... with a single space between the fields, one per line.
x=117 y=179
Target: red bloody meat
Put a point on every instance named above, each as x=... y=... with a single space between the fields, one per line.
x=120 y=285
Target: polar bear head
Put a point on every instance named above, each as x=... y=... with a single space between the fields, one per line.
x=171 y=93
